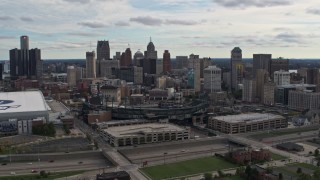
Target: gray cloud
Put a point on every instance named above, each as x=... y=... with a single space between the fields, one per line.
x=92 y=24
x=289 y=37
x=83 y=34
x=7 y=37
x=315 y=11
x=27 y=19
x=248 y=3
x=147 y=20
x=5 y=18
x=121 y=23
x=78 y=1
x=181 y=22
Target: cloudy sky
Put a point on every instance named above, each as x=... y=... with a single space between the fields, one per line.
x=210 y=28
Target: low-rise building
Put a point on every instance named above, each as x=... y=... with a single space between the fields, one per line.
x=144 y=133
x=302 y=100
x=249 y=122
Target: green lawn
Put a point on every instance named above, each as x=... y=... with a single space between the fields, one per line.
x=291 y=169
x=282 y=132
x=35 y=176
x=188 y=167
x=233 y=178
x=277 y=157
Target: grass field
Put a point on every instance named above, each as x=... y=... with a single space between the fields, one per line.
x=277 y=157
x=263 y=135
x=291 y=169
x=233 y=178
x=36 y=176
x=188 y=167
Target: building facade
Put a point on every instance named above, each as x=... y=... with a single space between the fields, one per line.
x=212 y=79
x=166 y=61
x=90 y=65
x=303 y=100
x=237 y=68
x=261 y=61
x=281 y=77
x=277 y=65
x=249 y=90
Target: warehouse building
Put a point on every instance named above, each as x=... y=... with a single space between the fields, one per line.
x=23 y=105
x=250 y=122
x=144 y=133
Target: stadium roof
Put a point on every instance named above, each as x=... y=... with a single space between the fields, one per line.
x=22 y=101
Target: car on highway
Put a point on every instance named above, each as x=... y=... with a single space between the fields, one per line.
x=51 y=161
x=3 y=164
x=80 y=162
x=34 y=171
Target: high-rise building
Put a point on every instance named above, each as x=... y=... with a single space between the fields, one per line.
x=181 y=62
x=138 y=59
x=150 y=59
x=159 y=66
x=24 y=43
x=106 y=67
x=138 y=75
x=80 y=73
x=237 y=68
x=212 y=79
x=261 y=61
x=303 y=99
x=194 y=63
x=25 y=62
x=166 y=61
x=126 y=58
x=71 y=76
x=91 y=64
x=103 y=50
x=249 y=90
x=268 y=93
x=262 y=77
x=281 y=78
x=204 y=63
x=277 y=65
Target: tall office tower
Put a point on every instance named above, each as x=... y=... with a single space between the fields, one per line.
x=281 y=77
x=181 y=62
x=261 y=61
x=24 y=42
x=277 y=65
x=71 y=76
x=138 y=59
x=80 y=73
x=194 y=63
x=268 y=93
x=103 y=50
x=138 y=75
x=103 y=53
x=262 y=77
x=249 y=90
x=212 y=79
x=237 y=69
x=150 y=59
x=166 y=61
x=204 y=63
x=35 y=63
x=14 y=55
x=91 y=64
x=128 y=57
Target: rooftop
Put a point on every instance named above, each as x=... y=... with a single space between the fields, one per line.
x=249 y=117
x=297 y=85
x=135 y=130
x=22 y=101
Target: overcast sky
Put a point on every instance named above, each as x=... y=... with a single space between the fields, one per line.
x=69 y=28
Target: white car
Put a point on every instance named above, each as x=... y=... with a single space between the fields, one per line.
x=13 y=173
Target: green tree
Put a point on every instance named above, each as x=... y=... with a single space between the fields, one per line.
x=299 y=170
x=208 y=176
x=316 y=152
x=316 y=174
x=280 y=176
x=221 y=174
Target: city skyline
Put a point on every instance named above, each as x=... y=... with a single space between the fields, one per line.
x=65 y=29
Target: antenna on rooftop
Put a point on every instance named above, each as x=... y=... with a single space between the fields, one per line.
x=150 y=39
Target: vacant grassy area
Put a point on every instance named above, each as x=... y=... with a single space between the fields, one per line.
x=282 y=132
x=291 y=169
x=234 y=178
x=36 y=176
x=276 y=157
x=188 y=167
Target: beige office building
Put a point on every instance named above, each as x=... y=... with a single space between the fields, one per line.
x=71 y=76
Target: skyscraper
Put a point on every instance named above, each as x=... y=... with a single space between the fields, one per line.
x=71 y=76
x=212 y=79
x=34 y=62
x=194 y=63
x=24 y=43
x=91 y=64
x=150 y=59
x=277 y=65
x=103 y=50
x=236 y=68
x=126 y=58
x=261 y=61
x=166 y=61
x=281 y=77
